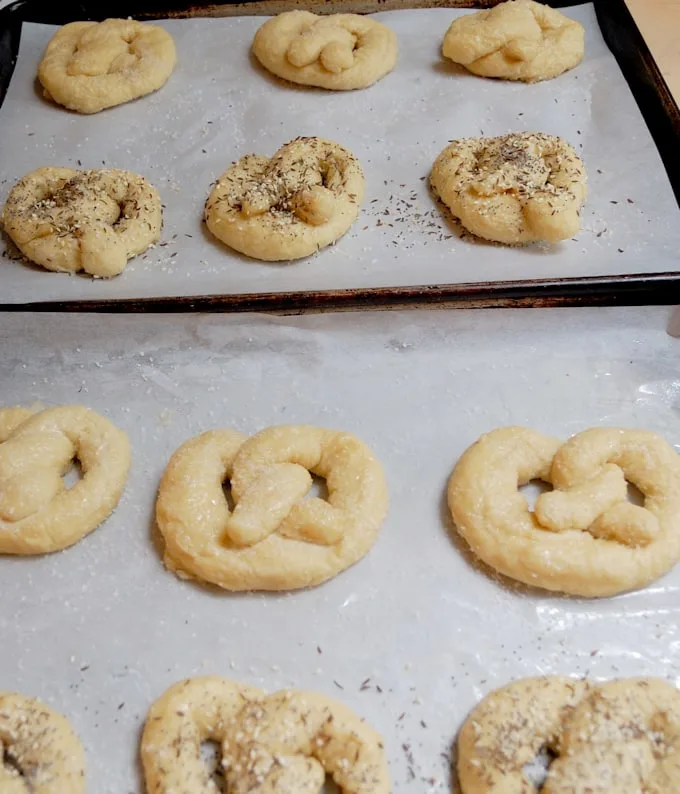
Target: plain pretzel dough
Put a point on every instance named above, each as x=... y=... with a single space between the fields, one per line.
x=270 y=744
x=92 y=221
x=516 y=40
x=617 y=737
x=584 y=537
x=288 y=206
x=274 y=539
x=90 y=66
x=41 y=753
x=37 y=513
x=518 y=188
x=338 y=52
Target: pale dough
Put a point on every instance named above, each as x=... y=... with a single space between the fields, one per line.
x=274 y=539
x=39 y=752
x=37 y=513
x=617 y=737
x=92 y=221
x=519 y=188
x=89 y=66
x=270 y=744
x=290 y=205
x=338 y=52
x=516 y=40
x=584 y=537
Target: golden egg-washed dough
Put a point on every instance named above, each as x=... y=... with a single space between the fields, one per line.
x=618 y=737
x=290 y=205
x=39 y=752
x=519 y=188
x=339 y=52
x=584 y=537
x=90 y=66
x=92 y=221
x=286 y=742
x=274 y=539
x=38 y=514
x=516 y=40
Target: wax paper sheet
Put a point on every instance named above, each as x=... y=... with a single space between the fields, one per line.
x=219 y=105
x=416 y=633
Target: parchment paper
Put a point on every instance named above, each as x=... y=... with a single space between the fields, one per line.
x=102 y=629
x=219 y=105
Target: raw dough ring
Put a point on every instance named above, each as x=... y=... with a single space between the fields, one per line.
x=284 y=742
x=37 y=514
x=302 y=199
x=339 y=52
x=619 y=737
x=67 y=220
x=90 y=66
x=584 y=537
x=41 y=753
x=516 y=40
x=273 y=540
x=519 y=188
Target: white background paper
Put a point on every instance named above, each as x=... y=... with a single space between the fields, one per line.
x=219 y=105
x=102 y=629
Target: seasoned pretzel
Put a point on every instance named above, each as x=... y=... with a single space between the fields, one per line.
x=90 y=66
x=516 y=40
x=37 y=513
x=620 y=737
x=274 y=539
x=583 y=538
x=518 y=188
x=67 y=220
x=270 y=744
x=339 y=52
x=39 y=752
x=302 y=199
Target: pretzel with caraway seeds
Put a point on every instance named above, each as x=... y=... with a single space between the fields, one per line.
x=339 y=52
x=37 y=513
x=39 y=752
x=584 y=537
x=618 y=737
x=274 y=539
x=90 y=66
x=288 y=741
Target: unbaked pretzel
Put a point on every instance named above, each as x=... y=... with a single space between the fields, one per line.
x=583 y=538
x=39 y=752
x=90 y=66
x=270 y=744
x=37 y=513
x=289 y=206
x=68 y=220
x=519 y=188
x=516 y=40
x=339 y=52
x=274 y=539
x=620 y=737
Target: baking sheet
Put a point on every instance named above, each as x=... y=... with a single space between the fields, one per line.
x=102 y=629
x=219 y=105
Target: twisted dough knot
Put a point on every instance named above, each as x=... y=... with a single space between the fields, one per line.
x=89 y=66
x=620 y=737
x=518 y=188
x=274 y=539
x=289 y=206
x=516 y=40
x=37 y=513
x=68 y=220
x=337 y=52
x=287 y=741
x=41 y=753
x=583 y=538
